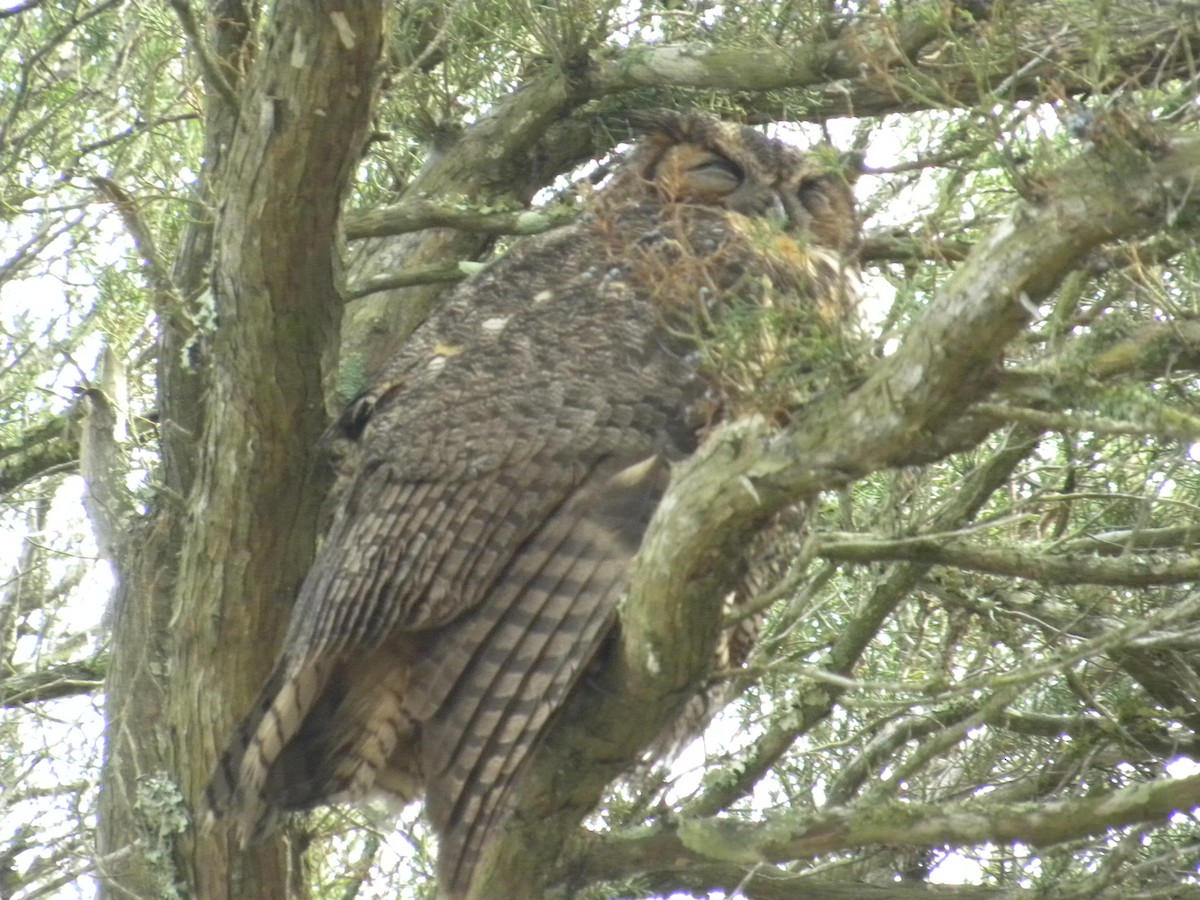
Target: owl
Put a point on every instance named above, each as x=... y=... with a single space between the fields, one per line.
x=495 y=480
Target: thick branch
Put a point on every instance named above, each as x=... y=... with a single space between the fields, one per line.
x=1168 y=424
x=688 y=843
x=881 y=65
x=66 y=680
x=766 y=882
x=874 y=45
x=1153 y=348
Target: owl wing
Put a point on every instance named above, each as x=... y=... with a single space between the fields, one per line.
x=463 y=601
x=495 y=680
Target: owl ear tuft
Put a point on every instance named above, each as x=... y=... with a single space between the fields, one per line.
x=668 y=123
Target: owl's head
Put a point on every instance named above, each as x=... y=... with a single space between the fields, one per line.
x=693 y=158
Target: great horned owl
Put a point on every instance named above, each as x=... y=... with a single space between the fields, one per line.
x=496 y=479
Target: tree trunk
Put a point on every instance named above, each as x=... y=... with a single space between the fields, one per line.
x=201 y=608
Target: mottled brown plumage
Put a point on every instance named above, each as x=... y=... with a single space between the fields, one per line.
x=496 y=479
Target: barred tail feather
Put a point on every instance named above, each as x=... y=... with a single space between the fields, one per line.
x=247 y=783
x=373 y=724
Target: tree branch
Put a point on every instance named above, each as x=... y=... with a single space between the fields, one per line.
x=1014 y=563
x=439 y=273
x=767 y=882
x=66 y=680
x=422 y=213
x=890 y=65
x=683 y=844
x=880 y=44
x=1118 y=543
x=48 y=448
x=213 y=75
x=1171 y=424
x=414 y=215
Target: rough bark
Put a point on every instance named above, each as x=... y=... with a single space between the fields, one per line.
x=141 y=811
x=254 y=489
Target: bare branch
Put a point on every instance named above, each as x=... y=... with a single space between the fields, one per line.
x=65 y=680
x=440 y=273
x=1118 y=543
x=208 y=63
x=1011 y=562
x=421 y=213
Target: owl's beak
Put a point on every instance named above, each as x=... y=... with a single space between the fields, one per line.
x=776 y=212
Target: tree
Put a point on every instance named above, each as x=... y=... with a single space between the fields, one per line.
x=984 y=650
